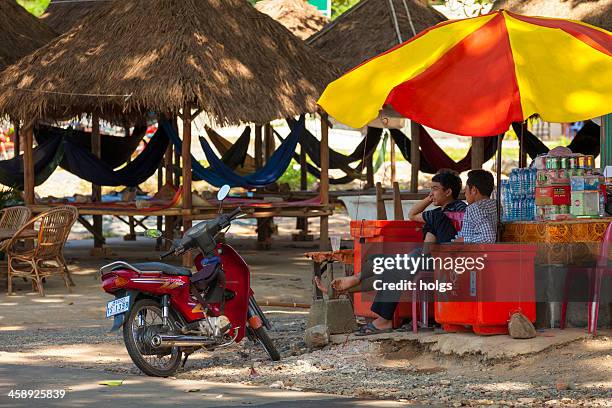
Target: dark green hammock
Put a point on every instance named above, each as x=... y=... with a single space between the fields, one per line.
x=47 y=157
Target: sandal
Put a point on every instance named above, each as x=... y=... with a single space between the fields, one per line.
x=369 y=329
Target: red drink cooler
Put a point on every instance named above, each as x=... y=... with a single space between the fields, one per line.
x=371 y=231
x=505 y=285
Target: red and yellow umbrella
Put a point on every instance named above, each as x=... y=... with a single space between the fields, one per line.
x=475 y=76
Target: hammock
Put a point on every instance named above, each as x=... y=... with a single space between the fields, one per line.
x=337 y=160
x=85 y=165
x=46 y=159
x=434 y=158
x=219 y=174
x=233 y=155
x=587 y=140
x=275 y=167
x=115 y=150
x=316 y=172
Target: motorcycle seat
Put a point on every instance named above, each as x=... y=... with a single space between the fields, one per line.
x=162 y=267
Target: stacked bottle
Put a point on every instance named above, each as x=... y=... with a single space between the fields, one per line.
x=518 y=195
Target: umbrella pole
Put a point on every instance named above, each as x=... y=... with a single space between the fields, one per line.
x=498 y=170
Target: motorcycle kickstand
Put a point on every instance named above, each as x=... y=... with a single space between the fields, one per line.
x=185 y=359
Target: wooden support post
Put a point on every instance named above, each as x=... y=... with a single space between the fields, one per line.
x=324 y=183
x=477 y=152
x=258 y=147
x=522 y=150
x=369 y=172
x=96 y=191
x=415 y=155
x=177 y=158
x=302 y=222
x=398 y=211
x=186 y=156
x=381 y=211
x=28 y=166
x=392 y=152
x=269 y=140
x=168 y=164
x=17 y=138
x=160 y=220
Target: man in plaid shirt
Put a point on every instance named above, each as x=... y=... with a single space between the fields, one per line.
x=480 y=219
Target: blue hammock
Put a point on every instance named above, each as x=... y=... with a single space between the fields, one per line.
x=219 y=173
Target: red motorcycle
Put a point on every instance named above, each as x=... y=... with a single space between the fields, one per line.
x=167 y=312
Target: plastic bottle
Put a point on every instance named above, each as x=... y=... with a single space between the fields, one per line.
x=602 y=205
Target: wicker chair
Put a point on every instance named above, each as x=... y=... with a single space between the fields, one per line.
x=45 y=258
x=13 y=218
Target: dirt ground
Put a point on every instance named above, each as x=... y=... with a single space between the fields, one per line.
x=69 y=330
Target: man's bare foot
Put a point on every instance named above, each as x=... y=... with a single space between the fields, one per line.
x=320 y=285
x=382 y=324
x=344 y=284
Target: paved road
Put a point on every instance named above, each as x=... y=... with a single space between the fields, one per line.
x=83 y=389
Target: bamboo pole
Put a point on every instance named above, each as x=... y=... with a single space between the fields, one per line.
x=415 y=156
x=17 y=137
x=393 y=160
x=324 y=183
x=96 y=190
x=269 y=140
x=28 y=166
x=477 y=152
x=186 y=156
x=258 y=147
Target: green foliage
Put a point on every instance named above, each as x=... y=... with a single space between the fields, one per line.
x=292 y=177
x=340 y=6
x=36 y=7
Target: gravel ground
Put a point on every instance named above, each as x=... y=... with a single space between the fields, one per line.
x=578 y=374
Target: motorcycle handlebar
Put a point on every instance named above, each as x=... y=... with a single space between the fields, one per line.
x=234 y=213
x=173 y=251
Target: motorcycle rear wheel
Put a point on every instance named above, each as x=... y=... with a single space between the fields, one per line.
x=146 y=314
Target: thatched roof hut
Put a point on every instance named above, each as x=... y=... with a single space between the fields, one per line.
x=595 y=12
x=62 y=16
x=20 y=33
x=136 y=56
x=300 y=17
x=368 y=29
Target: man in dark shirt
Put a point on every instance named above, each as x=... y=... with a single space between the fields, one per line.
x=445 y=189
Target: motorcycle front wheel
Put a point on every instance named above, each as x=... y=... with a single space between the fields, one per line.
x=261 y=335
x=143 y=322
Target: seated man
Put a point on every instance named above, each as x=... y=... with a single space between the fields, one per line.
x=480 y=219
x=445 y=189
x=479 y=226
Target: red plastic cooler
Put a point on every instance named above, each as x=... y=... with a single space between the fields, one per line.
x=370 y=231
x=508 y=277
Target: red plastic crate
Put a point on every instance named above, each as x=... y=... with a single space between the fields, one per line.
x=369 y=231
x=509 y=275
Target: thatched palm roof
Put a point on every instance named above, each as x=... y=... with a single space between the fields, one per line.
x=368 y=29
x=62 y=16
x=595 y=12
x=300 y=17
x=20 y=33
x=223 y=56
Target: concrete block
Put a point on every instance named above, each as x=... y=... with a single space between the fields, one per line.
x=336 y=314
x=316 y=336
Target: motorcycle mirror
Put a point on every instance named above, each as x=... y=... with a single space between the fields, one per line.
x=153 y=233
x=223 y=192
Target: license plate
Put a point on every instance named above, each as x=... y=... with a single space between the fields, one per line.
x=117 y=306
